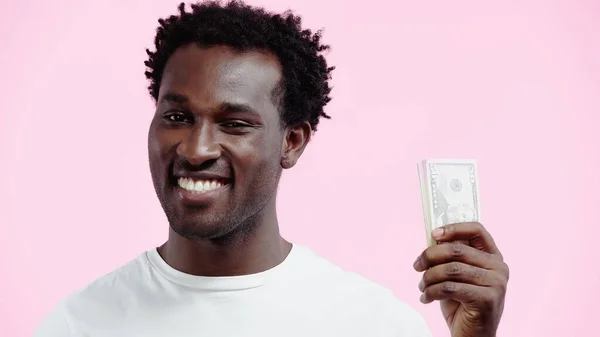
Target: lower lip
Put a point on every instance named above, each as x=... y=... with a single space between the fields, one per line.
x=200 y=198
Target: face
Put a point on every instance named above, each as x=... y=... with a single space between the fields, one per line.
x=216 y=143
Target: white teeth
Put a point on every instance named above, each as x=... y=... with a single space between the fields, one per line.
x=198 y=186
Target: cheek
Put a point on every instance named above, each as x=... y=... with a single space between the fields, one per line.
x=161 y=148
x=155 y=156
x=162 y=142
x=259 y=157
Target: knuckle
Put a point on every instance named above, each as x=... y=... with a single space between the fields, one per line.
x=453 y=269
x=479 y=273
x=478 y=228
x=489 y=258
x=502 y=287
x=500 y=256
x=488 y=301
x=448 y=287
x=505 y=270
x=450 y=229
x=470 y=292
x=457 y=249
x=501 y=284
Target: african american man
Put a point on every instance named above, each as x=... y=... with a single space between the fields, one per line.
x=239 y=92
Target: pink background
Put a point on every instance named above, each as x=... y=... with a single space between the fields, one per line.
x=514 y=84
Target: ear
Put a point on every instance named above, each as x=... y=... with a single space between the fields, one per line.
x=295 y=140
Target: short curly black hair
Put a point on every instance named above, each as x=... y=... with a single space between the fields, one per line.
x=306 y=75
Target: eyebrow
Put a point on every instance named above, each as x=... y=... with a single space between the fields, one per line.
x=174 y=98
x=226 y=107
x=236 y=107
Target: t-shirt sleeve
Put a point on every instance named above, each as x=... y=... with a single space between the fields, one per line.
x=54 y=325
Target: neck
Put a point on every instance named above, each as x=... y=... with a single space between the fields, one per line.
x=241 y=253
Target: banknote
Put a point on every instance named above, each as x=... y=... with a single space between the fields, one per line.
x=449 y=192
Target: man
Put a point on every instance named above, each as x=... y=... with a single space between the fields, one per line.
x=239 y=92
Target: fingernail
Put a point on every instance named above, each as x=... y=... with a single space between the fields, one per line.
x=421 y=285
x=422 y=298
x=437 y=233
x=416 y=264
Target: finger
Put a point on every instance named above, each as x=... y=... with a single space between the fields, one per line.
x=473 y=232
x=455 y=251
x=461 y=292
x=458 y=272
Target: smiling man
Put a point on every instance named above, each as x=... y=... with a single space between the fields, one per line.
x=239 y=92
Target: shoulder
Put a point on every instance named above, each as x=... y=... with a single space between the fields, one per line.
x=359 y=296
x=114 y=286
x=54 y=324
x=99 y=298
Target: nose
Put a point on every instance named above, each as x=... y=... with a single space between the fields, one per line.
x=200 y=146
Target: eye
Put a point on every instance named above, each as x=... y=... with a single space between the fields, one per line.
x=177 y=117
x=235 y=124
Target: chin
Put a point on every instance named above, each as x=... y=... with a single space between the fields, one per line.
x=201 y=229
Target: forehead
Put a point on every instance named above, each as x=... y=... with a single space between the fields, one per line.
x=222 y=74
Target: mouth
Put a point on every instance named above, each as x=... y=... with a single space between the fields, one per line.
x=200 y=186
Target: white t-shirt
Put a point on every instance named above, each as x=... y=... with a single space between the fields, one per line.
x=305 y=295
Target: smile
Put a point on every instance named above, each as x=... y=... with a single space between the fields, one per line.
x=200 y=185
